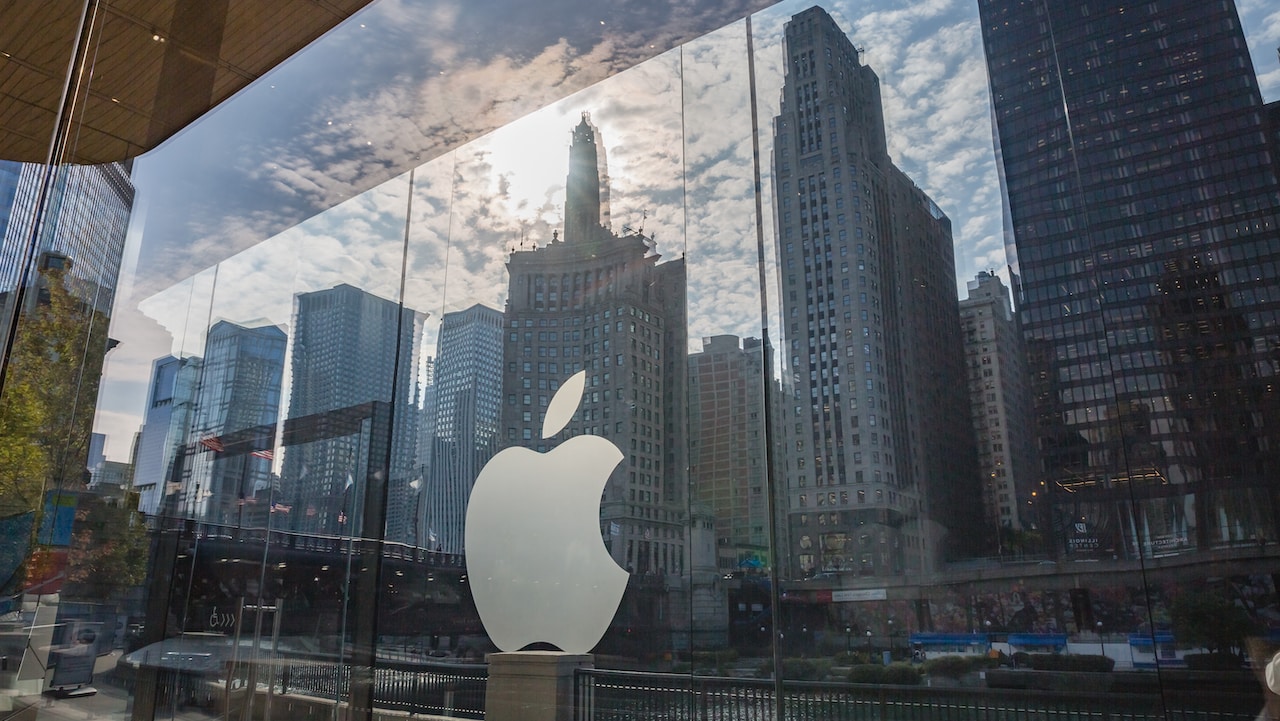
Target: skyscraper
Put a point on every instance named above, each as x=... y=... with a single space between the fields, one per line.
x=467 y=391
x=602 y=303
x=1144 y=215
x=354 y=362
x=165 y=428
x=1000 y=400
x=237 y=406
x=86 y=220
x=879 y=460
x=726 y=447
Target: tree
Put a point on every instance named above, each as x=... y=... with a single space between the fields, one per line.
x=1211 y=621
x=50 y=393
x=108 y=547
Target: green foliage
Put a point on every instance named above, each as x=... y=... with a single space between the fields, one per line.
x=867 y=673
x=850 y=658
x=953 y=666
x=1070 y=662
x=50 y=391
x=901 y=674
x=1209 y=620
x=108 y=547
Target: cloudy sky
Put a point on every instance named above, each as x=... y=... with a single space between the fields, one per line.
x=305 y=179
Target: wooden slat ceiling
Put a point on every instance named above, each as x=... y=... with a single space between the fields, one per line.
x=153 y=66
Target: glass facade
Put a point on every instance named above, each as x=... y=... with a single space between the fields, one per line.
x=611 y=361
x=1146 y=275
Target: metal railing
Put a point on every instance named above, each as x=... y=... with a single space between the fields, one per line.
x=446 y=689
x=632 y=696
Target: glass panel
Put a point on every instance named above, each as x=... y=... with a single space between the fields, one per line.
x=728 y=394
x=987 y=569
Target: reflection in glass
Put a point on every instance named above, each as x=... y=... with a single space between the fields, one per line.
x=317 y=397
x=347 y=349
x=1138 y=275
x=600 y=302
x=878 y=453
x=461 y=413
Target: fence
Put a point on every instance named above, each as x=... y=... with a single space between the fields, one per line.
x=630 y=696
x=446 y=689
x=458 y=690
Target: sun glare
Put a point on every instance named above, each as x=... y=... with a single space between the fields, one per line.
x=531 y=158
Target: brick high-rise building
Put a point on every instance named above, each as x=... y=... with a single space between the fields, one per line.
x=726 y=447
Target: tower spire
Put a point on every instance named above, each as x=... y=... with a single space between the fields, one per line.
x=586 y=195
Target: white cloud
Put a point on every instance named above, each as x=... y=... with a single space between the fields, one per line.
x=677 y=133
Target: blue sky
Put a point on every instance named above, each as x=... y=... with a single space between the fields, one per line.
x=301 y=180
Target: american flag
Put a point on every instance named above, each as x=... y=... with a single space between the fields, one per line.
x=266 y=453
x=212 y=443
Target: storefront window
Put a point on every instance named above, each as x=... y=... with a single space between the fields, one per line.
x=465 y=348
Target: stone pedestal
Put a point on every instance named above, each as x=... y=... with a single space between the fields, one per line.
x=532 y=685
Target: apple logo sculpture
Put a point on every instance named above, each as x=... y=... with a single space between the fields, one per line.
x=539 y=570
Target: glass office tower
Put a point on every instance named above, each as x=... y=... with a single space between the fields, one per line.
x=1144 y=215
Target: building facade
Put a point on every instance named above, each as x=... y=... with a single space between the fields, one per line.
x=878 y=456
x=158 y=457
x=1145 y=218
x=227 y=479
x=603 y=303
x=727 y=464
x=1001 y=405
x=354 y=354
x=86 y=221
x=466 y=399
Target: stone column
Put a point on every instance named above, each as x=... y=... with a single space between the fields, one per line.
x=532 y=685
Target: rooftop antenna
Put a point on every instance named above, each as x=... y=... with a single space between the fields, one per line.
x=644 y=215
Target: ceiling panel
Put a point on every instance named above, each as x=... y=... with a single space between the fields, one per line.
x=145 y=62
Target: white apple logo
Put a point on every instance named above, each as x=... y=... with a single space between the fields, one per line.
x=538 y=568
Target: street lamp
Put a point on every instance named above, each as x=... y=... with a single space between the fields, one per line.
x=868 y=640
x=891 y=637
x=1101 y=646
x=848 y=639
